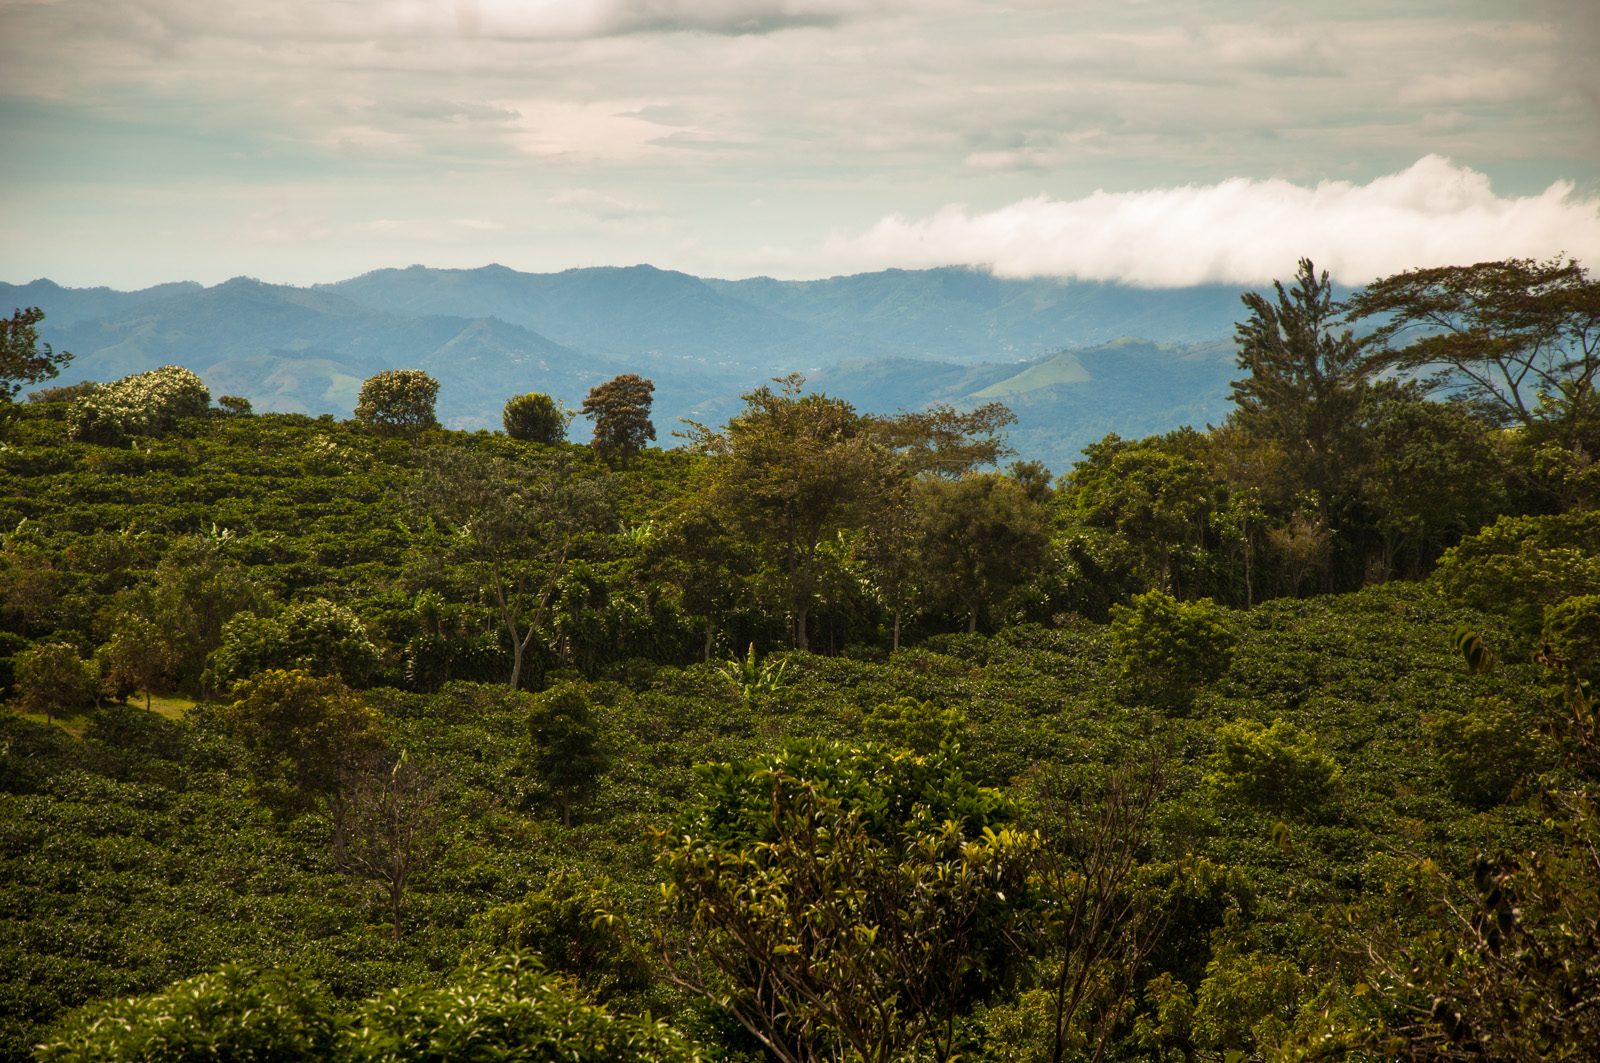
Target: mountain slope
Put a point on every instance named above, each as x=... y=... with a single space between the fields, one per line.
x=490 y=333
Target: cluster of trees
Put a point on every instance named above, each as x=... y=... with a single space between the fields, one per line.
x=1078 y=766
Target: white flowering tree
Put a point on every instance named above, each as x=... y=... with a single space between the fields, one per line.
x=139 y=405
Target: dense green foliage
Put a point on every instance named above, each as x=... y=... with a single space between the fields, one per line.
x=535 y=417
x=398 y=400
x=999 y=769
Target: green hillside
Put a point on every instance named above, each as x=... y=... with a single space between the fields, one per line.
x=818 y=738
x=1063 y=368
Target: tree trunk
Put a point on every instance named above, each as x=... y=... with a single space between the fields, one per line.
x=1327 y=541
x=972 y=620
x=896 y=646
x=516 y=660
x=711 y=630
x=800 y=612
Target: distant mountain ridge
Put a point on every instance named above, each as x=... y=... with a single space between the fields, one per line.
x=1055 y=351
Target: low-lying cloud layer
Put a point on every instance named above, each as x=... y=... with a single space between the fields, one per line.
x=1242 y=231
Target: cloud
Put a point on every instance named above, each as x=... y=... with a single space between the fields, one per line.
x=171 y=20
x=1242 y=231
x=585 y=133
x=598 y=204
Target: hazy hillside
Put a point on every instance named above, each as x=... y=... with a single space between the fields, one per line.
x=966 y=315
x=1063 y=401
x=885 y=341
x=70 y=305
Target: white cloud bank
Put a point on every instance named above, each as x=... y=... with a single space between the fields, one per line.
x=1242 y=231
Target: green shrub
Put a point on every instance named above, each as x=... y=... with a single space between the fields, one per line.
x=1276 y=769
x=1520 y=565
x=1482 y=752
x=398 y=401
x=564 y=925
x=1167 y=648
x=235 y=1015
x=1572 y=634
x=848 y=901
x=141 y=405
x=507 y=1010
x=319 y=637
x=536 y=417
x=919 y=726
x=64 y=392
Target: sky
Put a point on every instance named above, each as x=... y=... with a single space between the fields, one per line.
x=1155 y=143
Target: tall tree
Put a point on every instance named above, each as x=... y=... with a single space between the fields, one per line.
x=564 y=753
x=620 y=410
x=1519 y=338
x=1433 y=469
x=1308 y=378
x=696 y=552
x=788 y=471
x=23 y=359
x=979 y=537
x=1154 y=499
x=939 y=441
x=197 y=590
x=515 y=524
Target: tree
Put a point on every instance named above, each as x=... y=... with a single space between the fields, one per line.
x=30 y=586
x=938 y=441
x=515 y=523
x=136 y=658
x=391 y=822
x=1519 y=338
x=787 y=472
x=1108 y=910
x=197 y=590
x=536 y=417
x=847 y=903
x=1155 y=500
x=978 y=538
x=53 y=679
x=620 y=410
x=695 y=551
x=307 y=737
x=1434 y=468
x=1306 y=385
x=564 y=752
x=23 y=359
x=398 y=401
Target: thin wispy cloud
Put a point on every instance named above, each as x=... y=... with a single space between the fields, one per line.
x=1245 y=231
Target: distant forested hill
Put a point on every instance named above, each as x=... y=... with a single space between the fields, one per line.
x=885 y=341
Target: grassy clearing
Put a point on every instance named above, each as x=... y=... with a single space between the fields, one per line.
x=74 y=723
x=172 y=706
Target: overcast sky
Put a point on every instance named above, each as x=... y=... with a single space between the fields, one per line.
x=1159 y=143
